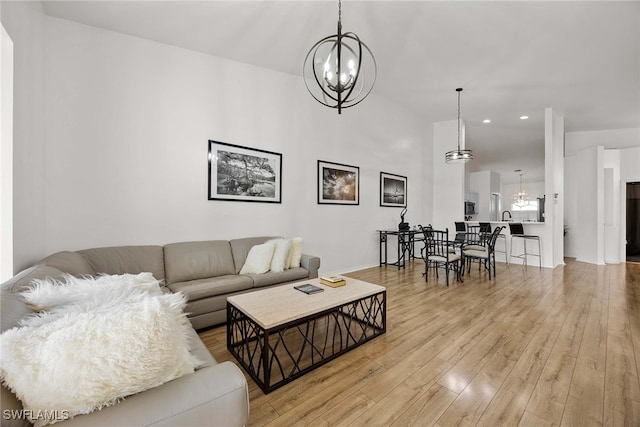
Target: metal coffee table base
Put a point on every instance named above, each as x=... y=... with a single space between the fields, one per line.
x=276 y=356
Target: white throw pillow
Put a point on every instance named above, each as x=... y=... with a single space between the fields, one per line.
x=259 y=258
x=280 y=255
x=73 y=294
x=88 y=360
x=295 y=254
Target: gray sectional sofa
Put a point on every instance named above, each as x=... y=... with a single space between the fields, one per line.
x=207 y=272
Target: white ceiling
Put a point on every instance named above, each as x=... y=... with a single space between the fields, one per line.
x=511 y=58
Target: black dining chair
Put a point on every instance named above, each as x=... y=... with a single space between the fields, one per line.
x=461 y=229
x=473 y=236
x=484 y=252
x=437 y=253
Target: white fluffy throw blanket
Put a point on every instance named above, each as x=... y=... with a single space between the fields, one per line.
x=98 y=341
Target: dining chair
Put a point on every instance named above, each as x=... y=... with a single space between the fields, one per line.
x=483 y=252
x=484 y=229
x=473 y=236
x=437 y=254
x=461 y=229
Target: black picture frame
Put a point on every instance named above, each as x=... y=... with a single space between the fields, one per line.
x=393 y=190
x=338 y=184
x=244 y=174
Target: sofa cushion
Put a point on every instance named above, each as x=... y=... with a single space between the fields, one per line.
x=22 y=281
x=54 y=299
x=69 y=262
x=241 y=247
x=76 y=363
x=12 y=309
x=203 y=288
x=188 y=261
x=126 y=259
x=259 y=259
x=199 y=350
x=272 y=278
x=295 y=254
x=209 y=305
x=280 y=260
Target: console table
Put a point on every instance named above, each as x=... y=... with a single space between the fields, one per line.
x=406 y=245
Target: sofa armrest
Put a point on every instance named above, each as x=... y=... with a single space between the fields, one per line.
x=215 y=395
x=311 y=263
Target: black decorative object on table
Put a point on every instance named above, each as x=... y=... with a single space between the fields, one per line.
x=403 y=226
x=308 y=288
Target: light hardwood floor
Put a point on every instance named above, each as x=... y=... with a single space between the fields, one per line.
x=530 y=348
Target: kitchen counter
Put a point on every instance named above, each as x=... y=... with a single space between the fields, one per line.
x=530 y=227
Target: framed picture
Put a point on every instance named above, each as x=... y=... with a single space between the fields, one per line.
x=393 y=190
x=244 y=174
x=338 y=184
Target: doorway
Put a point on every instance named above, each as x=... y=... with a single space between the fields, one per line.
x=633 y=221
x=494 y=207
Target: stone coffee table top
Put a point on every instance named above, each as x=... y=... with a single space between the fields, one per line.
x=275 y=306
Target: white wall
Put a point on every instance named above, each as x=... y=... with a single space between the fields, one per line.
x=623 y=165
x=24 y=22
x=608 y=138
x=128 y=122
x=6 y=155
x=630 y=164
x=484 y=183
x=448 y=179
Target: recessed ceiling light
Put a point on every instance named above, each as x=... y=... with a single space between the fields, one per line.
x=524 y=117
x=486 y=121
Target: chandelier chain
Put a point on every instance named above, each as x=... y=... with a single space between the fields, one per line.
x=459 y=155
x=459 y=119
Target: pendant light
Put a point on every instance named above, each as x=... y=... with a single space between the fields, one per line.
x=458 y=156
x=340 y=70
x=521 y=198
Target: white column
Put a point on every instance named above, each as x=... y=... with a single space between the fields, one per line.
x=553 y=241
x=590 y=183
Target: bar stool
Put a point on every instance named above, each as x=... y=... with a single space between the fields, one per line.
x=517 y=231
x=485 y=228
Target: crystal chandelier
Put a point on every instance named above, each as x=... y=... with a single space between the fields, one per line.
x=458 y=156
x=521 y=198
x=340 y=70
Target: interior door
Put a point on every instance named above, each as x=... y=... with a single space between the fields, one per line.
x=494 y=207
x=633 y=221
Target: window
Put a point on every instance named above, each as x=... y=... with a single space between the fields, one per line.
x=532 y=206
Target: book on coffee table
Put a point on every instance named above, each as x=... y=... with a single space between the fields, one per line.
x=333 y=281
x=308 y=288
